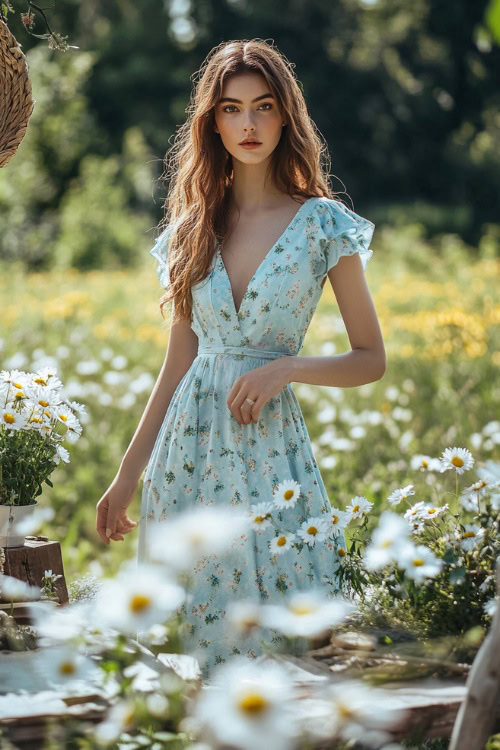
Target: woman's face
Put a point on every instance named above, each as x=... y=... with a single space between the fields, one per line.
x=248 y=108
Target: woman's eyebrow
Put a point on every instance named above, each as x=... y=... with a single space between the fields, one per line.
x=238 y=101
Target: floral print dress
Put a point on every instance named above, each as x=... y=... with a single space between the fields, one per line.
x=203 y=456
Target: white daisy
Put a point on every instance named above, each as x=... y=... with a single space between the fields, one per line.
x=260 y=516
x=13 y=589
x=244 y=616
x=491 y=606
x=120 y=718
x=281 y=543
x=196 y=533
x=390 y=534
x=64 y=664
x=248 y=706
x=306 y=613
x=418 y=562
x=401 y=494
x=359 y=506
x=136 y=599
x=286 y=494
x=459 y=459
x=315 y=529
x=359 y=712
x=432 y=511
x=340 y=520
x=471 y=536
x=421 y=462
x=413 y=513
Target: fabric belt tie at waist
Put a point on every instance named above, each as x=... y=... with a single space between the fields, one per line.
x=245 y=350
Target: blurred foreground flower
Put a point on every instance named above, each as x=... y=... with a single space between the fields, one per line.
x=248 y=706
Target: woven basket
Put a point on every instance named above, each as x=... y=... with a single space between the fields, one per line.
x=15 y=95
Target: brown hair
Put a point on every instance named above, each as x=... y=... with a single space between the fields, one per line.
x=200 y=167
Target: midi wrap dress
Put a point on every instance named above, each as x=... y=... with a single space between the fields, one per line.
x=202 y=456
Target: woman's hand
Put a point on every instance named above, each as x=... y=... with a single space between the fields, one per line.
x=260 y=385
x=112 y=519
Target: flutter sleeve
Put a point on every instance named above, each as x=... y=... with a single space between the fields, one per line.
x=160 y=252
x=342 y=232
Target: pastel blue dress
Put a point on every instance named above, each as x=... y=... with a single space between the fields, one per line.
x=203 y=456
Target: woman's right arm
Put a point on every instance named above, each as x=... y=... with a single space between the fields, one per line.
x=111 y=508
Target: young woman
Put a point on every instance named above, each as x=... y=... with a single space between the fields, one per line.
x=251 y=235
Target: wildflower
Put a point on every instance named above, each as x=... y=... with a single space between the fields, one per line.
x=340 y=519
x=358 y=712
x=459 y=459
x=401 y=494
x=286 y=494
x=490 y=607
x=244 y=616
x=432 y=511
x=359 y=507
x=305 y=613
x=387 y=538
x=248 y=706
x=413 y=513
x=314 y=530
x=422 y=462
x=418 y=562
x=471 y=536
x=260 y=516
x=195 y=533
x=136 y=599
x=63 y=664
x=281 y=543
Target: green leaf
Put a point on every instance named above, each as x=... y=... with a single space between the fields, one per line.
x=47 y=481
x=457 y=575
x=449 y=556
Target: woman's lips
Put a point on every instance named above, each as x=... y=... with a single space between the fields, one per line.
x=250 y=145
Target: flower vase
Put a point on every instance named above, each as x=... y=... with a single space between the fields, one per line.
x=9 y=516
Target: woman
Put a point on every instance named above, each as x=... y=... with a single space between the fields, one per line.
x=251 y=234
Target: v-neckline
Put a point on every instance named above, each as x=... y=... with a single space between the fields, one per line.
x=280 y=238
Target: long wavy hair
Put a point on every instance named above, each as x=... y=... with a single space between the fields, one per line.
x=199 y=168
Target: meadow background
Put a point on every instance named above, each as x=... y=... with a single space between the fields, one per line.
x=405 y=95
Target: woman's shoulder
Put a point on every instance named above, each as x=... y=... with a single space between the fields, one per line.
x=334 y=217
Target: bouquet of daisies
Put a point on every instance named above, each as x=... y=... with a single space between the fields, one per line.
x=35 y=420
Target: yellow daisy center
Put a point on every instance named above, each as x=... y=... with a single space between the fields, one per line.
x=63 y=417
x=303 y=609
x=40 y=381
x=9 y=418
x=19 y=395
x=42 y=402
x=253 y=704
x=469 y=534
x=312 y=530
x=67 y=667
x=140 y=602
x=281 y=541
x=259 y=519
x=430 y=511
x=335 y=519
x=345 y=712
x=17 y=385
x=341 y=552
x=418 y=562
x=425 y=463
x=457 y=461
x=355 y=509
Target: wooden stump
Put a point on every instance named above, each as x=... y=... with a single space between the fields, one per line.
x=29 y=563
